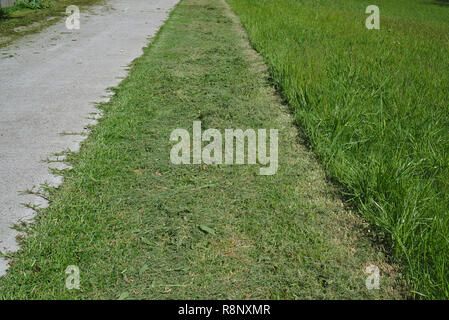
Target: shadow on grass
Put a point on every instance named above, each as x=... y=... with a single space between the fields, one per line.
x=441 y=3
x=3 y=14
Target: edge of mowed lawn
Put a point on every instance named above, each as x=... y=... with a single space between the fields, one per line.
x=139 y=227
x=374 y=107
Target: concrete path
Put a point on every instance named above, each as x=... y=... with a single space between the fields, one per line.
x=48 y=85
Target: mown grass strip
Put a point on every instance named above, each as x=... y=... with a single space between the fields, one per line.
x=139 y=227
x=374 y=106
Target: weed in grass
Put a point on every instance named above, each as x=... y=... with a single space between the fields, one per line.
x=33 y=4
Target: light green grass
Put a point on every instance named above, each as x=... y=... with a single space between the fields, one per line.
x=137 y=226
x=374 y=106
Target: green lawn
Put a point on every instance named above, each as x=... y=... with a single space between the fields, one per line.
x=374 y=107
x=138 y=226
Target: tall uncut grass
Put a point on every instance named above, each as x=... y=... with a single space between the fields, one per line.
x=374 y=105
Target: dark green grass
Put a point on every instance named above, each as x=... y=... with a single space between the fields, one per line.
x=374 y=106
x=138 y=226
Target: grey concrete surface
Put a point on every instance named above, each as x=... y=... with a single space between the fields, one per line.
x=49 y=83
